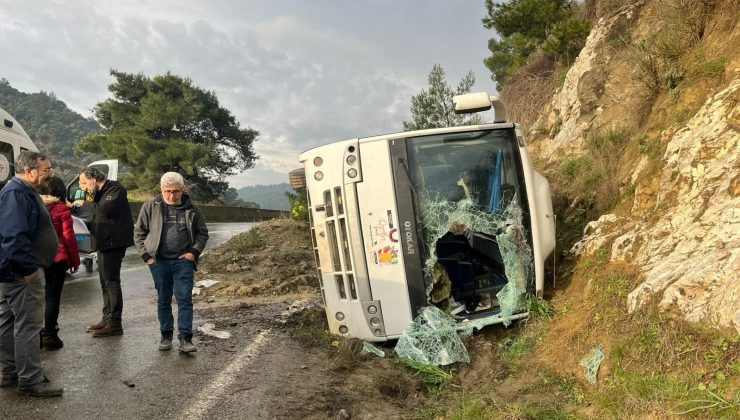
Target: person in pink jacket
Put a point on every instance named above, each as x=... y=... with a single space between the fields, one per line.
x=67 y=258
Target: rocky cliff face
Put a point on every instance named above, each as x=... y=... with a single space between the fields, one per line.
x=681 y=226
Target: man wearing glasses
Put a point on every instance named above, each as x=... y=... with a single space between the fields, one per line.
x=170 y=235
x=28 y=243
x=112 y=231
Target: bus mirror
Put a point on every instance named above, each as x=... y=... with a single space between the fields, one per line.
x=480 y=101
x=471 y=102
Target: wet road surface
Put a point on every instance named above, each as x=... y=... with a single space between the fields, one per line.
x=127 y=376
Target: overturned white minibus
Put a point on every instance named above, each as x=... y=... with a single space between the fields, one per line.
x=454 y=217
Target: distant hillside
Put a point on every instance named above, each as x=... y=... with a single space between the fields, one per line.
x=54 y=127
x=267 y=196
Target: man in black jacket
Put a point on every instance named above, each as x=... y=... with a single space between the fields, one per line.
x=112 y=231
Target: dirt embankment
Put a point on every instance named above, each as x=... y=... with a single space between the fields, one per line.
x=274 y=258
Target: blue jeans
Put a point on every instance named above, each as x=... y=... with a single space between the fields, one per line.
x=177 y=276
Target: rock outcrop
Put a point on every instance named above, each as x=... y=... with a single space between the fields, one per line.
x=682 y=229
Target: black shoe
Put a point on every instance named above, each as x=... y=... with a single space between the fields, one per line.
x=51 y=341
x=9 y=380
x=166 y=342
x=108 y=330
x=42 y=389
x=187 y=346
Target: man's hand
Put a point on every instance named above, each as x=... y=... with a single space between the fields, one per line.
x=73 y=269
x=31 y=277
x=188 y=256
x=150 y=261
x=78 y=202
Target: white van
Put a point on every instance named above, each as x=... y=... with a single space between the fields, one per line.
x=13 y=139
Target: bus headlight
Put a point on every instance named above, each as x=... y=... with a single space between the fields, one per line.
x=378 y=331
x=374 y=322
x=372 y=309
x=317 y=161
x=343 y=329
x=352 y=172
x=318 y=176
x=351 y=159
x=339 y=316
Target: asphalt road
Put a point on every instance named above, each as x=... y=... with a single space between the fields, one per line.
x=127 y=376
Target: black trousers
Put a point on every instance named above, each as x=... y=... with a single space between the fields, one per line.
x=109 y=266
x=55 y=275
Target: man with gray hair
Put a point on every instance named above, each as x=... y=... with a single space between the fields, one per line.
x=112 y=231
x=28 y=243
x=170 y=235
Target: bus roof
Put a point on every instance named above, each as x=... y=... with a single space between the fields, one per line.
x=406 y=134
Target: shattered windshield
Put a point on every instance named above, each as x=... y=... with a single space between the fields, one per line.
x=470 y=194
x=481 y=165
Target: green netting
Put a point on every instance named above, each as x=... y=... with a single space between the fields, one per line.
x=432 y=338
x=465 y=216
x=591 y=363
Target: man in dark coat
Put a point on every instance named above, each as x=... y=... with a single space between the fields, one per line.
x=112 y=231
x=28 y=243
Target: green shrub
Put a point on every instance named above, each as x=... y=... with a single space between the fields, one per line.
x=645 y=64
x=567 y=39
x=298 y=204
x=712 y=69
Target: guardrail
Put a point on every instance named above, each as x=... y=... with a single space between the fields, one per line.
x=221 y=214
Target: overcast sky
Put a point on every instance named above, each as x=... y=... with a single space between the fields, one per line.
x=301 y=72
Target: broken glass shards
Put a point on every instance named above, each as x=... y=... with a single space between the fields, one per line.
x=478 y=258
x=371 y=349
x=432 y=338
x=591 y=363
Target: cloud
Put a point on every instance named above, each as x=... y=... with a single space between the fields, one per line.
x=301 y=73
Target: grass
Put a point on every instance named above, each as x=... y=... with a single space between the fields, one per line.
x=655 y=364
x=539 y=308
x=311 y=328
x=713 y=68
x=464 y=407
x=710 y=402
x=348 y=354
x=246 y=241
x=434 y=377
x=514 y=347
x=649 y=147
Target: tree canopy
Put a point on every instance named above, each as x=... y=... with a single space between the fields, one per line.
x=525 y=26
x=433 y=108
x=165 y=123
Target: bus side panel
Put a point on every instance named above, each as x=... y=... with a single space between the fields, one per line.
x=317 y=190
x=379 y=219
